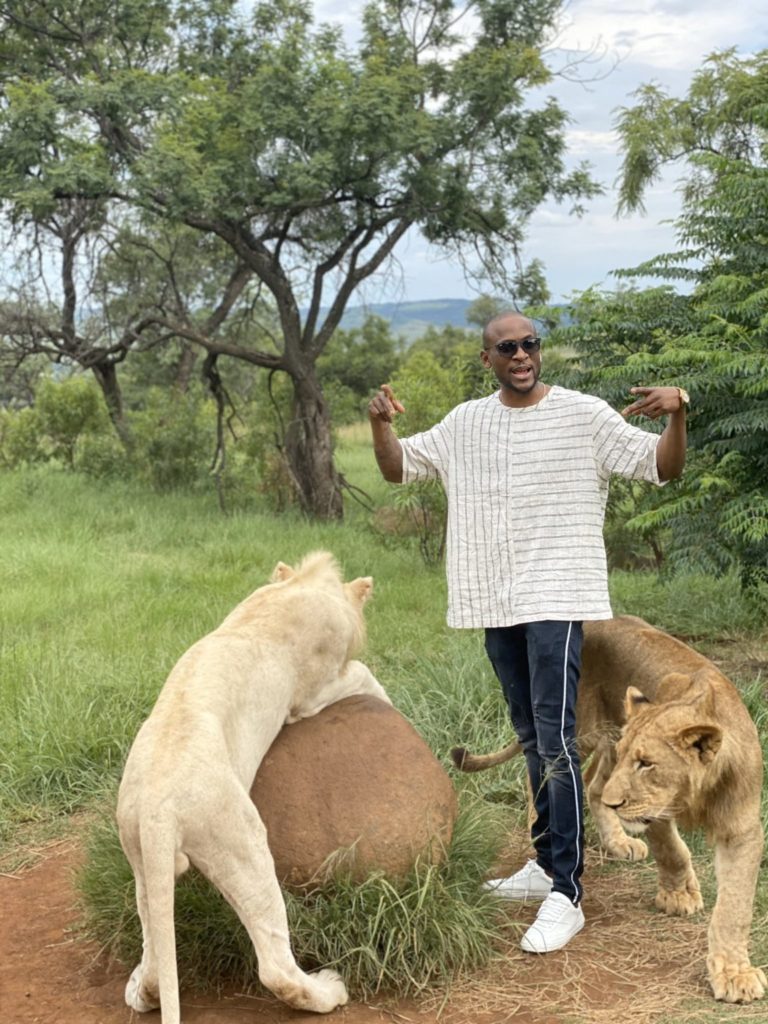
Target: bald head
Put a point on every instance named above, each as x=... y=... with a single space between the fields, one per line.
x=516 y=321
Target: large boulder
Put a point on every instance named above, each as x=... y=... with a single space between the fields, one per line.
x=357 y=775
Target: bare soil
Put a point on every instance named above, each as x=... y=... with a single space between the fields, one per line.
x=628 y=964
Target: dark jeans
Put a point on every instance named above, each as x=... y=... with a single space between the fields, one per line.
x=538 y=665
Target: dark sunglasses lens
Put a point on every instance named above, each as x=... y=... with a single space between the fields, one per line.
x=508 y=348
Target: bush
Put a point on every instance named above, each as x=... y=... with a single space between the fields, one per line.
x=65 y=411
x=20 y=440
x=102 y=457
x=175 y=439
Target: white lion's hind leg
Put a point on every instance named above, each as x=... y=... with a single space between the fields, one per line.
x=142 y=992
x=240 y=865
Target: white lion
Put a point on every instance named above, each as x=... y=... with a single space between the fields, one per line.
x=283 y=654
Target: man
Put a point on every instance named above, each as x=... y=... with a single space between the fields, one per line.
x=526 y=473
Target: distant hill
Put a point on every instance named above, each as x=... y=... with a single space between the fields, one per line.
x=411 y=319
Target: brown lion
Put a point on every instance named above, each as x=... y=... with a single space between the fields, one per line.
x=675 y=746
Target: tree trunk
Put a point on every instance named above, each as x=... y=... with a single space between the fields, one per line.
x=309 y=450
x=106 y=374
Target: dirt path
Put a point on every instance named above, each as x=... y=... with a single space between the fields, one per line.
x=629 y=964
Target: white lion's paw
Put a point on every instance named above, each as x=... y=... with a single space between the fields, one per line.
x=137 y=997
x=735 y=982
x=680 y=902
x=329 y=991
x=626 y=848
x=320 y=992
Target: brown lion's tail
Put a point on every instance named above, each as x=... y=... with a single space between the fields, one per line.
x=467 y=762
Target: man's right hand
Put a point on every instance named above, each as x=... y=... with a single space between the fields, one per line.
x=384 y=405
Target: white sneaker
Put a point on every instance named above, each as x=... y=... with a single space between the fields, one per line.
x=529 y=883
x=556 y=923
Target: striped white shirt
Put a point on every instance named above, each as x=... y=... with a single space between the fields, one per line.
x=527 y=489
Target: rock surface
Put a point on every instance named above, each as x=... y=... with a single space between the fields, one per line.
x=355 y=775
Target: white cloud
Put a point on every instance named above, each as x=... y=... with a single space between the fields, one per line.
x=619 y=45
x=668 y=35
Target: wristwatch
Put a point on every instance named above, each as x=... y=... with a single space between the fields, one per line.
x=685 y=398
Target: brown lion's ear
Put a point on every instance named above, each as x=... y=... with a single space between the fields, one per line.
x=706 y=738
x=633 y=700
x=282 y=572
x=673 y=686
x=361 y=588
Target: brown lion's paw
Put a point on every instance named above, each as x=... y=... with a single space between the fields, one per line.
x=627 y=848
x=735 y=983
x=679 y=902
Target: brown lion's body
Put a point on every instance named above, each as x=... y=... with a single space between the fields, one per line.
x=671 y=742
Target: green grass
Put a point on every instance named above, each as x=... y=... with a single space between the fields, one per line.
x=104 y=586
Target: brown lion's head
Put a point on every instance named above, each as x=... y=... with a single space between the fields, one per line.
x=665 y=752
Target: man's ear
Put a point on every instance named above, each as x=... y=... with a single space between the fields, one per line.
x=633 y=700
x=282 y=572
x=706 y=739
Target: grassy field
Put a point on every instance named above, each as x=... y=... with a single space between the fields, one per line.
x=104 y=586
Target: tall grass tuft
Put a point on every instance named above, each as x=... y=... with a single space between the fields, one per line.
x=405 y=937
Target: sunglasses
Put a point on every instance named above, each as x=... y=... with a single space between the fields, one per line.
x=508 y=348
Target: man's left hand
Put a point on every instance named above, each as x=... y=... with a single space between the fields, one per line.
x=654 y=402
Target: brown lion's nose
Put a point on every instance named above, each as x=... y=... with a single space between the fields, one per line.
x=614 y=802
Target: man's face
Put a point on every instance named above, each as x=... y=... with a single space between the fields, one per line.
x=518 y=372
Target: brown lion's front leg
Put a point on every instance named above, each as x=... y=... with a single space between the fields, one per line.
x=679 y=892
x=613 y=838
x=731 y=975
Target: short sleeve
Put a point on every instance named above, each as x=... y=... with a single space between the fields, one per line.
x=426 y=455
x=622 y=448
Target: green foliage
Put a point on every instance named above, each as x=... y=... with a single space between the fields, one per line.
x=174 y=439
x=714 y=341
x=300 y=160
x=65 y=414
x=354 y=365
x=20 y=440
x=66 y=410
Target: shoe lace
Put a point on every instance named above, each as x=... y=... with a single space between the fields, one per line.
x=551 y=911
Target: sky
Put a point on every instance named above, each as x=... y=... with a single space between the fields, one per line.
x=632 y=42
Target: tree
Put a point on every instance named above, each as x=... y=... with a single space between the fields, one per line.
x=310 y=160
x=355 y=363
x=715 y=340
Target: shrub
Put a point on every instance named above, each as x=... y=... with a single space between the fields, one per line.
x=175 y=438
x=66 y=410
x=20 y=440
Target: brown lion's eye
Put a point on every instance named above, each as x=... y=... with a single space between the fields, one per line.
x=642 y=763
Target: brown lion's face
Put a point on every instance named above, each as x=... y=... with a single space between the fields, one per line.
x=662 y=756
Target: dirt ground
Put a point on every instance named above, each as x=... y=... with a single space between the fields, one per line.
x=628 y=964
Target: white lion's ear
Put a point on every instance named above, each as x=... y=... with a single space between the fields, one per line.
x=706 y=739
x=362 y=588
x=282 y=572
x=633 y=700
